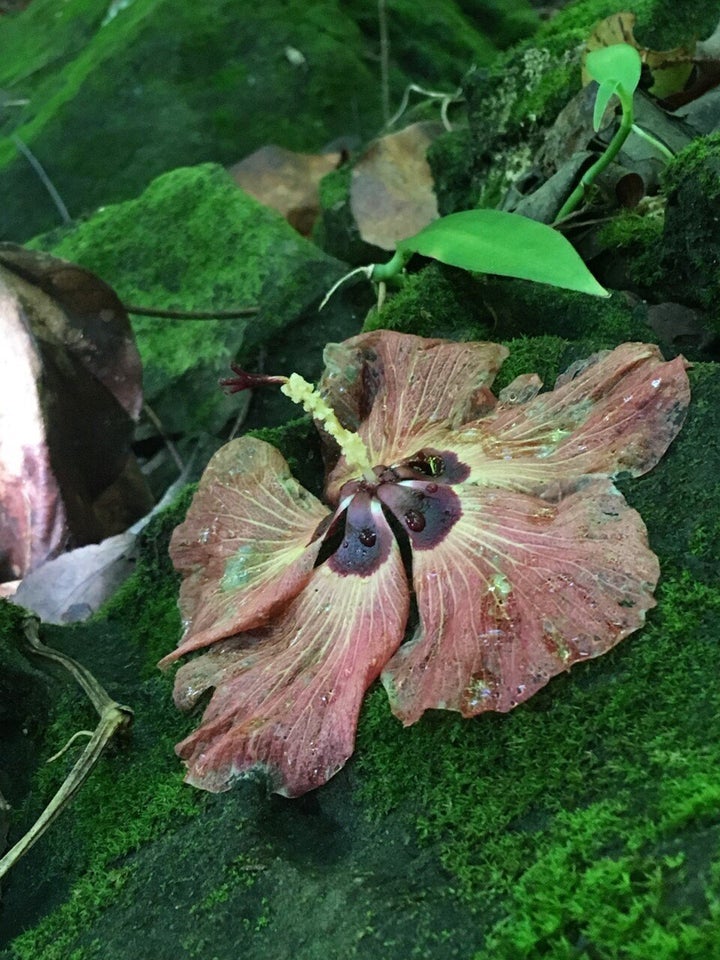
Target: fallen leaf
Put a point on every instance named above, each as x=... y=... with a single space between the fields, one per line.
x=286 y=181
x=72 y=586
x=70 y=388
x=391 y=194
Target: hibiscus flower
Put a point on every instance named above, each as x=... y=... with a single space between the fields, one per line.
x=489 y=527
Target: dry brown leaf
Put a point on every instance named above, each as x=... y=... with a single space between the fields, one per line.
x=70 y=387
x=73 y=586
x=286 y=181
x=392 y=194
x=670 y=69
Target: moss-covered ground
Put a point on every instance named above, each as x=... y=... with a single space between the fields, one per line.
x=584 y=824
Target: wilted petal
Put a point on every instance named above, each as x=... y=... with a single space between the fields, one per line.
x=246 y=546
x=287 y=700
x=400 y=391
x=616 y=412
x=518 y=591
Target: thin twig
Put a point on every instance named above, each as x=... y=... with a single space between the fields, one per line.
x=114 y=717
x=446 y=99
x=44 y=178
x=242 y=413
x=384 y=62
x=235 y=314
x=157 y=423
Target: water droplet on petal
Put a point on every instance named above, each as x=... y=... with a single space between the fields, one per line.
x=415 y=520
x=367 y=537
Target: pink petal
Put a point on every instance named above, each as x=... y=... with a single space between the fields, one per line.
x=617 y=412
x=246 y=546
x=519 y=590
x=286 y=700
x=401 y=391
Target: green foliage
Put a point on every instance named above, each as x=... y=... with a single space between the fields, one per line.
x=617 y=70
x=492 y=241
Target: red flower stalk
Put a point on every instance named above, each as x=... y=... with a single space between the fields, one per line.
x=525 y=557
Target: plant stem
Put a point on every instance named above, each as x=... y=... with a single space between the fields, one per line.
x=114 y=718
x=386 y=271
x=611 y=151
x=162 y=313
x=654 y=142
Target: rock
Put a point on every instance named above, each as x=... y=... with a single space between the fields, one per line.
x=117 y=93
x=194 y=240
x=690 y=247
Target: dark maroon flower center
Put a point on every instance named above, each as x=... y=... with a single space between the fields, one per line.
x=415 y=493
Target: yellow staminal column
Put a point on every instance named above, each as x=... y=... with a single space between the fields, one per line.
x=351 y=444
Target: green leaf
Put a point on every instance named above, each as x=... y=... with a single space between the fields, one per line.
x=491 y=241
x=606 y=90
x=618 y=64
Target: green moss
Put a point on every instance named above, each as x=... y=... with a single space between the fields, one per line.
x=557 y=813
x=584 y=823
x=661 y=24
x=299 y=443
x=691 y=239
x=167 y=84
x=546 y=356
x=700 y=159
x=638 y=240
x=471 y=33
x=193 y=240
x=448 y=156
x=439 y=301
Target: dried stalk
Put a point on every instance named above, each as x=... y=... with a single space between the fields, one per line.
x=114 y=717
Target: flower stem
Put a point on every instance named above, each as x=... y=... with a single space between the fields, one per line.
x=611 y=151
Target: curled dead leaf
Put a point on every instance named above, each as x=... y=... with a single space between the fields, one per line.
x=70 y=388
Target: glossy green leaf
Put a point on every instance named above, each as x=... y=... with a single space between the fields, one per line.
x=606 y=90
x=619 y=64
x=491 y=241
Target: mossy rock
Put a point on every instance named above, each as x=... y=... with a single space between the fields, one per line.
x=511 y=105
x=115 y=100
x=690 y=247
x=440 y=301
x=119 y=93
x=194 y=240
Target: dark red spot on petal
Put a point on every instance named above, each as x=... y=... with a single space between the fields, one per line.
x=415 y=520
x=426 y=516
x=367 y=540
